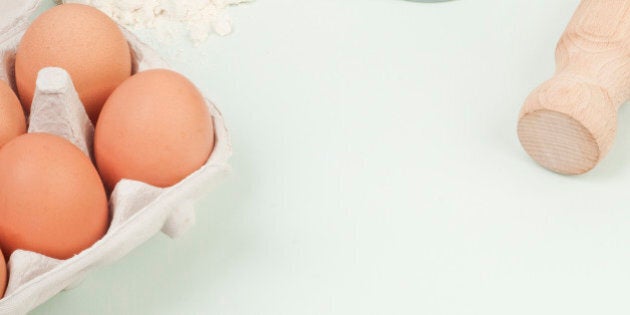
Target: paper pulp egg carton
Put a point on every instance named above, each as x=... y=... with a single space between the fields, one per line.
x=138 y=210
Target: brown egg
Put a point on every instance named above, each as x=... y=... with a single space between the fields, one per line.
x=3 y=275
x=52 y=199
x=83 y=41
x=154 y=128
x=12 y=120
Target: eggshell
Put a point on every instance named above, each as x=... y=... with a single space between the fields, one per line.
x=83 y=41
x=154 y=128
x=12 y=120
x=3 y=275
x=52 y=199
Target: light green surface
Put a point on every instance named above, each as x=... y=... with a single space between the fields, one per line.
x=377 y=171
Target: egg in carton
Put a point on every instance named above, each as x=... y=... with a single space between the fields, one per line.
x=137 y=210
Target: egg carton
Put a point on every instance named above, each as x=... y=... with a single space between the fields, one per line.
x=138 y=210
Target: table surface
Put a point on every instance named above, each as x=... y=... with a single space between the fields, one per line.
x=377 y=171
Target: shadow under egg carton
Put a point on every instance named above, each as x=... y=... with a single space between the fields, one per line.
x=137 y=210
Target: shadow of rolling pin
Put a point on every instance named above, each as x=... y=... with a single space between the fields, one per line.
x=568 y=124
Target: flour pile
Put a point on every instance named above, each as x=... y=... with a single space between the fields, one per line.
x=200 y=17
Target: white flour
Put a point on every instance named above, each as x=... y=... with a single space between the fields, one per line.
x=200 y=17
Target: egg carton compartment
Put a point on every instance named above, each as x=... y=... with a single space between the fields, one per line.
x=137 y=210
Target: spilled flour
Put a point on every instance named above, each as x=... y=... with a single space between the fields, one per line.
x=200 y=18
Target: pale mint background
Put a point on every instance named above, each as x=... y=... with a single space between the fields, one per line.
x=377 y=171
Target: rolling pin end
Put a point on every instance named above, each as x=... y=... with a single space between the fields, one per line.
x=558 y=142
x=567 y=126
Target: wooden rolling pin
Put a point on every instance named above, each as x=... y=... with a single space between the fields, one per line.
x=568 y=124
